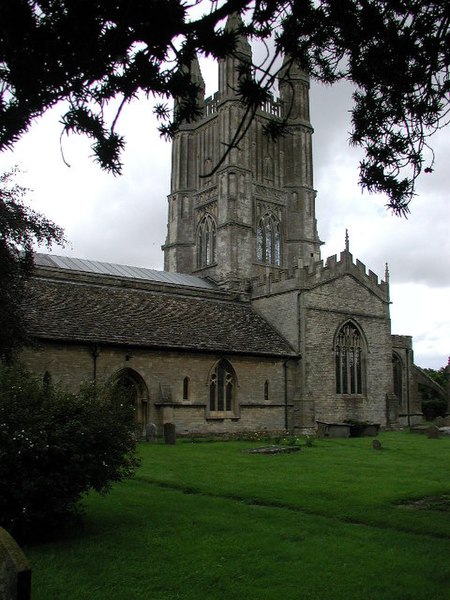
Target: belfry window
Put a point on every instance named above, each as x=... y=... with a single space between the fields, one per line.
x=268 y=241
x=222 y=386
x=349 y=357
x=206 y=242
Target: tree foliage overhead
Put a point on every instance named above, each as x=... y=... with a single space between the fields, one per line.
x=89 y=52
x=20 y=229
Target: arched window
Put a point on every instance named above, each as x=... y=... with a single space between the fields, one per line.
x=206 y=242
x=349 y=356
x=222 y=384
x=186 y=388
x=397 y=372
x=268 y=241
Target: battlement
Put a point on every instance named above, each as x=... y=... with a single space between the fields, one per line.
x=271 y=107
x=308 y=276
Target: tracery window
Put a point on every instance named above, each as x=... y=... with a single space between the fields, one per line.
x=222 y=386
x=349 y=356
x=206 y=242
x=268 y=241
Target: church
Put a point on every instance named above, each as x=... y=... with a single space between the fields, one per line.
x=247 y=328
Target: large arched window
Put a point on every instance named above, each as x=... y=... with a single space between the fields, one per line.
x=349 y=357
x=206 y=242
x=268 y=241
x=222 y=390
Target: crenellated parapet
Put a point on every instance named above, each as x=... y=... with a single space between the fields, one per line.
x=308 y=276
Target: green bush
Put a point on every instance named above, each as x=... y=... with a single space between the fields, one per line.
x=55 y=447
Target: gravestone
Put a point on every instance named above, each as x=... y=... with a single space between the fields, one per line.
x=150 y=433
x=170 y=436
x=15 y=571
x=376 y=445
x=439 y=422
x=433 y=432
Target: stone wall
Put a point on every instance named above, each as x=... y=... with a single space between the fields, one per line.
x=160 y=377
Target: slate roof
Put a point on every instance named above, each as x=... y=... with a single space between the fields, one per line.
x=71 y=310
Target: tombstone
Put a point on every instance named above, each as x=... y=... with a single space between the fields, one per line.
x=15 y=571
x=150 y=433
x=433 y=432
x=439 y=422
x=376 y=445
x=170 y=436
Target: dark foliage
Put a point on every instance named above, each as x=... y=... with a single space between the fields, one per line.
x=55 y=447
x=396 y=52
x=20 y=229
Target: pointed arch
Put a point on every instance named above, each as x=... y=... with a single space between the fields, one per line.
x=350 y=353
x=268 y=240
x=135 y=389
x=206 y=242
x=222 y=390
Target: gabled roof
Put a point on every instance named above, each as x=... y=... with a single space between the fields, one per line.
x=70 y=309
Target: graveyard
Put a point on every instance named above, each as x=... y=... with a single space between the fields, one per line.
x=202 y=519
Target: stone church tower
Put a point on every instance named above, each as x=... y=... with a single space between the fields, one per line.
x=237 y=215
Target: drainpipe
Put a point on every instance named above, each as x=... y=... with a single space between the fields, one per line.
x=285 y=364
x=95 y=355
x=407 y=386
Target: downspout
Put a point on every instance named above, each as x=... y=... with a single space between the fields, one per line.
x=285 y=364
x=407 y=386
x=95 y=355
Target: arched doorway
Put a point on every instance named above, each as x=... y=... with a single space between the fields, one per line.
x=135 y=390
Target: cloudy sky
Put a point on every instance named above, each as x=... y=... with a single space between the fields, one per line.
x=123 y=219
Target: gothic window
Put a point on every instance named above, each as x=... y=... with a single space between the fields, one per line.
x=397 y=371
x=349 y=357
x=268 y=241
x=222 y=384
x=206 y=242
x=186 y=388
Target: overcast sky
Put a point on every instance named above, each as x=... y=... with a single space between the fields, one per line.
x=123 y=219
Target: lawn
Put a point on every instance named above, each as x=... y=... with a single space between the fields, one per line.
x=209 y=520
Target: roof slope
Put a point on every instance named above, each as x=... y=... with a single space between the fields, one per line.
x=112 y=269
x=72 y=311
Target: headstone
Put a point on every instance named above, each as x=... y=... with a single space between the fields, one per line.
x=150 y=433
x=15 y=571
x=433 y=432
x=170 y=436
x=439 y=422
x=376 y=445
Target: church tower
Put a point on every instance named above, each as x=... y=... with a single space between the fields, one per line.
x=237 y=214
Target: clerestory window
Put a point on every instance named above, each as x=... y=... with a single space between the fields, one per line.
x=268 y=241
x=349 y=357
x=222 y=390
x=206 y=242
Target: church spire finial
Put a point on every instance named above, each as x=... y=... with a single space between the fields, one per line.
x=386 y=273
x=347 y=241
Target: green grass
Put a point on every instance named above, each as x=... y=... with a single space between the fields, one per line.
x=211 y=521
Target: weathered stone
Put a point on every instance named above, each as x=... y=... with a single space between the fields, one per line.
x=15 y=571
x=376 y=445
x=170 y=436
x=150 y=432
x=433 y=432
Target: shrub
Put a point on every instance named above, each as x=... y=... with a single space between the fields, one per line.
x=434 y=407
x=55 y=447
